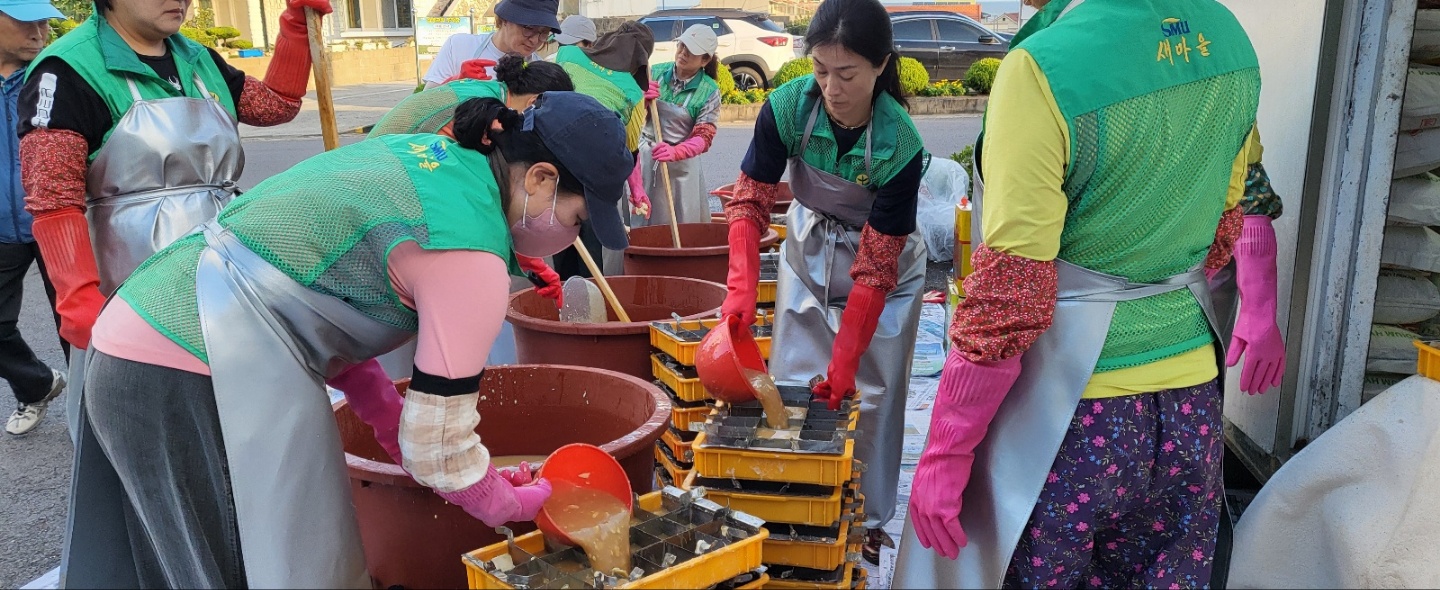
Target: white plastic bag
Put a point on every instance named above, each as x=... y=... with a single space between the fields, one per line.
x=1421 y=109
x=1392 y=350
x=1404 y=297
x=1412 y=247
x=1416 y=152
x=940 y=190
x=930 y=343
x=1415 y=200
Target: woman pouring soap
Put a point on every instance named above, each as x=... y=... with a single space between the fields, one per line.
x=237 y=480
x=852 y=266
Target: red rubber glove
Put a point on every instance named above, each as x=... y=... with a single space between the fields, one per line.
x=496 y=501
x=64 y=238
x=552 y=289
x=1257 y=335
x=969 y=396
x=373 y=397
x=474 y=69
x=857 y=327
x=289 y=71
x=743 y=280
x=664 y=152
x=639 y=200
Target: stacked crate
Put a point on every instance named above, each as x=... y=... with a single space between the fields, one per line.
x=805 y=486
x=769 y=279
x=673 y=365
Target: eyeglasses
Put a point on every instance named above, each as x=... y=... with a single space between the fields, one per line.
x=535 y=32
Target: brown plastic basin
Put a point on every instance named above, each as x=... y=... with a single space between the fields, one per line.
x=704 y=255
x=783 y=196
x=414 y=539
x=541 y=338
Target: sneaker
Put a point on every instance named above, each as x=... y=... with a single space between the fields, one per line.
x=874 y=540
x=28 y=416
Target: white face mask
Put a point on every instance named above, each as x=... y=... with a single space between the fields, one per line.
x=542 y=235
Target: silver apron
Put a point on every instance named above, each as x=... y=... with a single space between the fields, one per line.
x=1011 y=464
x=814 y=284
x=692 y=204
x=169 y=165
x=287 y=470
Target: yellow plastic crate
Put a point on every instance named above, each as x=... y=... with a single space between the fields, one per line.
x=684 y=352
x=783 y=466
x=703 y=572
x=676 y=470
x=757 y=584
x=852 y=575
x=821 y=509
x=1429 y=364
x=765 y=291
x=681 y=417
x=681 y=448
x=779 y=228
x=820 y=556
x=685 y=387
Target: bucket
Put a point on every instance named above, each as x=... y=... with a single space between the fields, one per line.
x=783 y=196
x=541 y=338
x=413 y=538
x=705 y=254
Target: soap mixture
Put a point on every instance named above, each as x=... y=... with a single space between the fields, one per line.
x=776 y=415
x=596 y=521
x=515 y=460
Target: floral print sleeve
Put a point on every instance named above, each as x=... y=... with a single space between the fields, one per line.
x=877 y=263
x=752 y=201
x=1260 y=198
x=1009 y=302
x=1223 y=248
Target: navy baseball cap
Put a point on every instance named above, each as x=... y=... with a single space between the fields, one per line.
x=29 y=11
x=530 y=13
x=589 y=141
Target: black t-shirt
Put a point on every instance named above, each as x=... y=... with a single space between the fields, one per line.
x=896 y=202
x=78 y=107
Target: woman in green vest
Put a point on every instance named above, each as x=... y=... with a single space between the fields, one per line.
x=517 y=82
x=689 y=106
x=853 y=266
x=1077 y=435
x=129 y=140
x=220 y=462
x=616 y=72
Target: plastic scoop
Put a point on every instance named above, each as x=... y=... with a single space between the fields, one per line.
x=584 y=303
x=723 y=359
x=586 y=466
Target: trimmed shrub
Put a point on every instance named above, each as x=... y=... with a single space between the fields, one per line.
x=223 y=33
x=240 y=44
x=58 y=28
x=982 y=75
x=734 y=97
x=726 y=81
x=755 y=95
x=198 y=36
x=913 y=77
x=793 y=69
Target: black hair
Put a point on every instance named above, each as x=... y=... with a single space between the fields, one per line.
x=102 y=6
x=863 y=27
x=531 y=78
x=712 y=69
x=512 y=145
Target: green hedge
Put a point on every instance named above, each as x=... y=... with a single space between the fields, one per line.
x=726 y=81
x=913 y=76
x=982 y=75
x=943 y=88
x=240 y=44
x=198 y=36
x=793 y=69
x=223 y=33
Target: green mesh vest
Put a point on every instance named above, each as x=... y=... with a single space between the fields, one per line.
x=695 y=94
x=101 y=57
x=1155 y=126
x=616 y=91
x=330 y=222
x=896 y=141
x=430 y=110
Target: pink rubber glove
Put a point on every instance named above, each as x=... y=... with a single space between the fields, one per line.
x=664 y=152
x=970 y=394
x=374 y=399
x=496 y=501
x=1257 y=335
x=639 y=201
x=653 y=92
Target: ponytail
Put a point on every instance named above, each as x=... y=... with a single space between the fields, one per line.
x=475 y=120
x=520 y=77
x=889 y=81
x=712 y=68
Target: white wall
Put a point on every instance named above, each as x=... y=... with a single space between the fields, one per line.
x=1286 y=36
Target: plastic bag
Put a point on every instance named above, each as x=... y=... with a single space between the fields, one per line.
x=944 y=184
x=1392 y=350
x=930 y=342
x=1415 y=200
x=1403 y=297
x=1415 y=248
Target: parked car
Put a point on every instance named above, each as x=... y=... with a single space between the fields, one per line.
x=753 y=46
x=944 y=42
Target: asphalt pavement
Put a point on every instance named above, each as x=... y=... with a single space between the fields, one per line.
x=35 y=468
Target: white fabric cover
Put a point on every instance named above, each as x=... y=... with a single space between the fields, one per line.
x=1421 y=109
x=1416 y=152
x=1415 y=200
x=1412 y=247
x=1405 y=297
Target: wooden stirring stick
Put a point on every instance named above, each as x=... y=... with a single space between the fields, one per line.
x=600 y=278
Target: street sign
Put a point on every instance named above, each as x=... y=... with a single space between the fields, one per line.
x=432 y=31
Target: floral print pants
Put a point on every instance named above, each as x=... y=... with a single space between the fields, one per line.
x=1133 y=499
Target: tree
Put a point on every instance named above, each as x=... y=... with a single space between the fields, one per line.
x=77 y=10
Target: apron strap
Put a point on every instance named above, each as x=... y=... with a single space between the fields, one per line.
x=134 y=90
x=809 y=126
x=200 y=84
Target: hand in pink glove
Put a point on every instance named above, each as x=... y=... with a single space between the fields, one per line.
x=496 y=501
x=373 y=397
x=653 y=92
x=639 y=201
x=664 y=152
x=969 y=396
x=1257 y=335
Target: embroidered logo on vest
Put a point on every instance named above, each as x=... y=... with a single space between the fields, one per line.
x=1169 y=50
x=430 y=155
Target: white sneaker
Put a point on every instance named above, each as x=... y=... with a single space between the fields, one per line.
x=28 y=416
